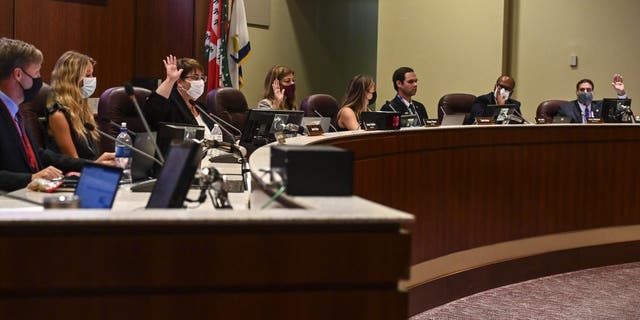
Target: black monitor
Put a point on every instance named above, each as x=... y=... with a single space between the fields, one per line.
x=616 y=110
x=503 y=113
x=380 y=120
x=167 y=132
x=178 y=171
x=263 y=123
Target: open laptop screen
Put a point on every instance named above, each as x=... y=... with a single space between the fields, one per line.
x=98 y=185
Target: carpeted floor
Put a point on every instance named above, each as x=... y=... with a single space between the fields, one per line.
x=611 y=292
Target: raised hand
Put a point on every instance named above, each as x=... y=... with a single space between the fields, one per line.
x=618 y=84
x=278 y=93
x=171 y=66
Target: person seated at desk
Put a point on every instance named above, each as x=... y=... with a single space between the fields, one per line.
x=501 y=95
x=360 y=92
x=174 y=99
x=279 y=89
x=21 y=160
x=68 y=112
x=405 y=82
x=584 y=107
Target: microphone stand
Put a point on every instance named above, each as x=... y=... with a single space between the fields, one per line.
x=243 y=160
x=131 y=93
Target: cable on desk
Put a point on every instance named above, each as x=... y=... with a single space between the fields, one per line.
x=273 y=198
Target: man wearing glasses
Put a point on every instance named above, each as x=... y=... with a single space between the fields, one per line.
x=501 y=95
x=584 y=107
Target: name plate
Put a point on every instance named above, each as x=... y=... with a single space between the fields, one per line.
x=280 y=137
x=481 y=121
x=431 y=123
x=541 y=120
x=315 y=130
x=594 y=120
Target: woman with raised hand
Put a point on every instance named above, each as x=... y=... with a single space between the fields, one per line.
x=279 y=89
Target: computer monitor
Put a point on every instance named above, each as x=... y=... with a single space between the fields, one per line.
x=178 y=171
x=503 y=113
x=263 y=123
x=167 y=132
x=616 y=110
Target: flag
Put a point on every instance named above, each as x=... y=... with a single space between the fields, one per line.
x=227 y=43
x=239 y=47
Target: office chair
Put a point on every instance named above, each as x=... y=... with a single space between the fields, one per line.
x=548 y=109
x=33 y=113
x=115 y=105
x=454 y=103
x=324 y=104
x=230 y=105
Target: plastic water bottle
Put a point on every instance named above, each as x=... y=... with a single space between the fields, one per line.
x=123 y=153
x=216 y=134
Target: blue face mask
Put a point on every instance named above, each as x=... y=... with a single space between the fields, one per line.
x=585 y=98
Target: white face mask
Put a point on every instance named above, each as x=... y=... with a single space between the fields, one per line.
x=196 y=89
x=89 y=85
x=503 y=92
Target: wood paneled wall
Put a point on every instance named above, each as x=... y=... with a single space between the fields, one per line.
x=128 y=38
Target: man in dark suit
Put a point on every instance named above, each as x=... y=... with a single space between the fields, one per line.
x=405 y=83
x=584 y=107
x=500 y=95
x=21 y=159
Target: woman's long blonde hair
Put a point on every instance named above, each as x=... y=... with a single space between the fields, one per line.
x=65 y=87
x=356 y=95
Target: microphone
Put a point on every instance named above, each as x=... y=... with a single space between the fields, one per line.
x=216 y=119
x=113 y=123
x=129 y=89
x=23 y=199
x=224 y=146
x=91 y=127
x=211 y=178
x=521 y=116
x=388 y=103
x=320 y=115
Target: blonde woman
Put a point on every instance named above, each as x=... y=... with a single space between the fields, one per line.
x=68 y=113
x=360 y=91
x=279 y=89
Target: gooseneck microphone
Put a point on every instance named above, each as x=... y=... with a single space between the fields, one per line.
x=320 y=115
x=521 y=116
x=104 y=119
x=129 y=89
x=91 y=127
x=217 y=120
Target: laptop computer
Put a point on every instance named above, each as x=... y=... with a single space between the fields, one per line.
x=141 y=166
x=98 y=185
x=454 y=119
x=503 y=114
x=324 y=122
x=380 y=120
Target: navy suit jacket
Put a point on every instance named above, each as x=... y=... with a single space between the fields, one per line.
x=572 y=110
x=15 y=172
x=397 y=105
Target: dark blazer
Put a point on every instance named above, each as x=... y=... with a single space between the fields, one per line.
x=15 y=172
x=572 y=110
x=479 y=107
x=158 y=109
x=397 y=105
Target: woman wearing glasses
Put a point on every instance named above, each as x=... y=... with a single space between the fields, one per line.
x=175 y=98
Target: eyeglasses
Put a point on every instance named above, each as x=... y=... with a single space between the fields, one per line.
x=585 y=89
x=197 y=77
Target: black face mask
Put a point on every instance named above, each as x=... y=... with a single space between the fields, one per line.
x=32 y=92
x=373 y=98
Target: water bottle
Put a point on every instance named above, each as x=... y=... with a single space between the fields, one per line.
x=216 y=134
x=123 y=153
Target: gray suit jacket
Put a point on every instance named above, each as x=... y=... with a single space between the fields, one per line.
x=572 y=110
